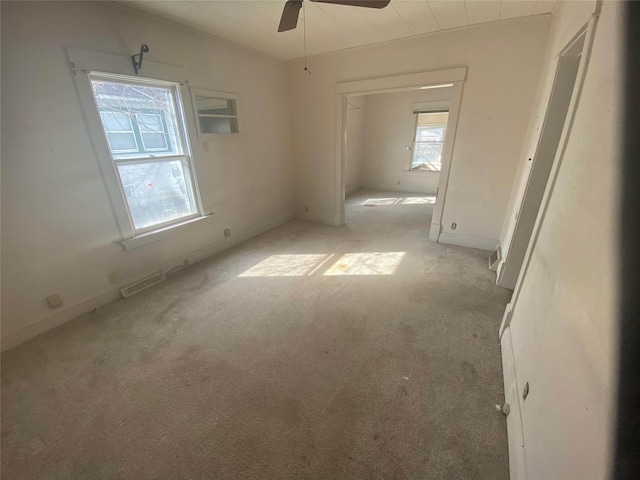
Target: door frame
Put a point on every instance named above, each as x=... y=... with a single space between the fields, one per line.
x=454 y=77
x=588 y=32
x=549 y=143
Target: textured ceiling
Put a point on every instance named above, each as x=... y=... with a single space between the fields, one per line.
x=330 y=28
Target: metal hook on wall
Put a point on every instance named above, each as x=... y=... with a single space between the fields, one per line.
x=137 y=64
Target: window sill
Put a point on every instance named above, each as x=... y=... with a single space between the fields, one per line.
x=162 y=233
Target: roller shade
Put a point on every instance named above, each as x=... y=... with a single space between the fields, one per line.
x=430 y=107
x=432 y=118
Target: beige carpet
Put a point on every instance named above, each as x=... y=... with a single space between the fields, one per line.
x=310 y=352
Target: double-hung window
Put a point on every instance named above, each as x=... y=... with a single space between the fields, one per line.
x=428 y=141
x=144 y=129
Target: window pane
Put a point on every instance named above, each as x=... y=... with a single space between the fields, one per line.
x=157 y=192
x=218 y=125
x=427 y=156
x=154 y=141
x=116 y=121
x=215 y=106
x=433 y=134
x=142 y=109
x=122 y=142
x=150 y=122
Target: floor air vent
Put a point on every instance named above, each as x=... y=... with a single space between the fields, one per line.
x=494 y=259
x=143 y=284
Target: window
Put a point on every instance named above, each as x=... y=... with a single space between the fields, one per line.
x=428 y=140
x=216 y=112
x=144 y=129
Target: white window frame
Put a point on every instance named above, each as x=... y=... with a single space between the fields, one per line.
x=417 y=114
x=219 y=95
x=84 y=63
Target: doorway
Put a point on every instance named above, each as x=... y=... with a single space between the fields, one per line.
x=542 y=163
x=394 y=145
x=453 y=78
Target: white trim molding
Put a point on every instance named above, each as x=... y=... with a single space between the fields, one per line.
x=402 y=82
x=453 y=77
x=465 y=240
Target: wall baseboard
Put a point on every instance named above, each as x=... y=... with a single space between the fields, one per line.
x=308 y=217
x=468 y=241
x=25 y=334
x=434 y=232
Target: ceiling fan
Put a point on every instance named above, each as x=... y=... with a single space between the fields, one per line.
x=289 y=19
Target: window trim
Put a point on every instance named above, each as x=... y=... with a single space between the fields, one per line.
x=214 y=94
x=411 y=170
x=182 y=134
x=108 y=167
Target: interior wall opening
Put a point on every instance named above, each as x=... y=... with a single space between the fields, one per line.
x=394 y=144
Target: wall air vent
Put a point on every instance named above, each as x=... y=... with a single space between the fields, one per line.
x=143 y=284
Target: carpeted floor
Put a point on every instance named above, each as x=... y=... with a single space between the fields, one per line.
x=310 y=352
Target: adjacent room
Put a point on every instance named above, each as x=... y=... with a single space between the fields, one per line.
x=394 y=147
x=309 y=239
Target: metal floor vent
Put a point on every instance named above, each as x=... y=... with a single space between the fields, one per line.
x=494 y=259
x=143 y=284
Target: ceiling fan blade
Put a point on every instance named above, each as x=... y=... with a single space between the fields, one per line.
x=289 y=18
x=358 y=3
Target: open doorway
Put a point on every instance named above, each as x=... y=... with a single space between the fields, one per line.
x=542 y=163
x=347 y=96
x=393 y=155
x=396 y=144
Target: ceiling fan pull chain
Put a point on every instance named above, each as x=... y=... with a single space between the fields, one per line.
x=304 y=34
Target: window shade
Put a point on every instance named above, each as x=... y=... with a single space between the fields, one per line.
x=433 y=118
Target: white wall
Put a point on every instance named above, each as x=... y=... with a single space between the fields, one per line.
x=355 y=143
x=503 y=61
x=389 y=129
x=58 y=231
x=564 y=324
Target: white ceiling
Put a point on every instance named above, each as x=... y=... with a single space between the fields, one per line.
x=330 y=28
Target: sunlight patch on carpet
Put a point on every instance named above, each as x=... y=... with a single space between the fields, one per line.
x=287 y=265
x=374 y=263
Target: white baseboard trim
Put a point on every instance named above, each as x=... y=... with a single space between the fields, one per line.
x=308 y=217
x=25 y=334
x=515 y=435
x=468 y=241
x=58 y=318
x=434 y=232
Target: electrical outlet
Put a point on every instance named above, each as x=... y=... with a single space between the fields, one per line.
x=454 y=225
x=306 y=209
x=54 y=300
x=227 y=233
x=111 y=277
